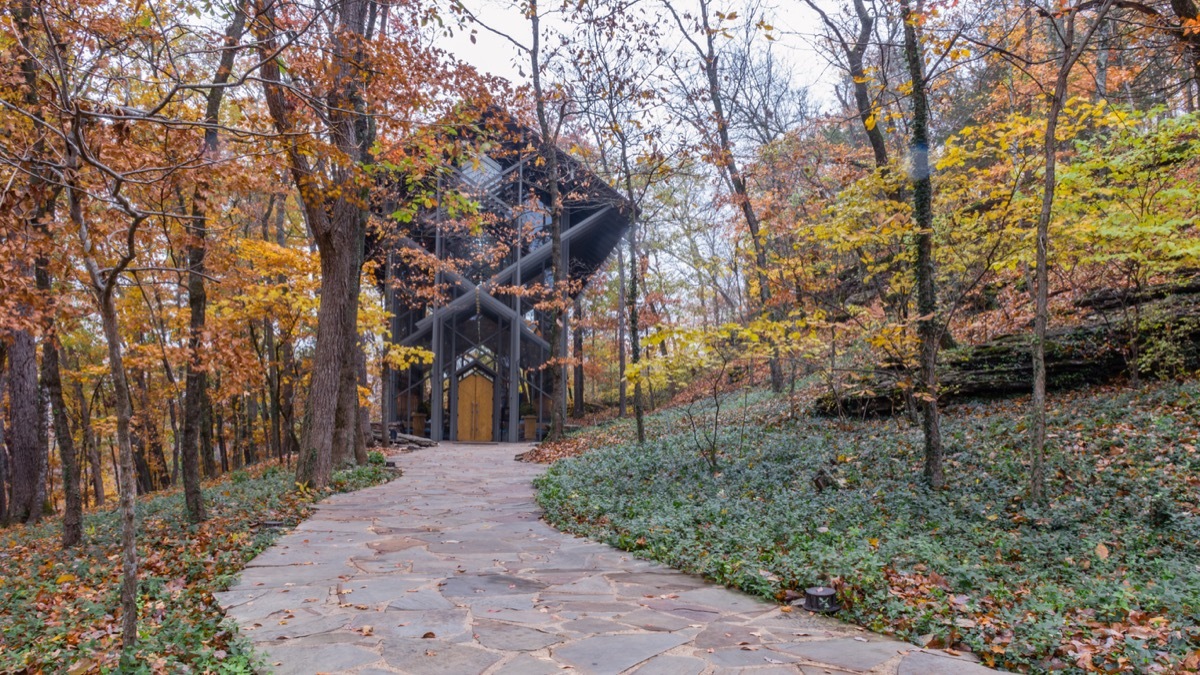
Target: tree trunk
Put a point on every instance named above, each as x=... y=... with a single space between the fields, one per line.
x=221 y=445
x=287 y=372
x=90 y=447
x=560 y=288
x=577 y=355
x=4 y=480
x=855 y=52
x=207 y=461
x=344 y=421
x=621 y=381
x=176 y=439
x=28 y=438
x=251 y=416
x=348 y=441
x=141 y=466
x=363 y=429
x=146 y=426
x=239 y=439
x=635 y=347
x=27 y=453
x=72 y=524
x=922 y=189
x=128 y=487
x=317 y=446
x=287 y=405
x=271 y=404
x=336 y=214
x=1037 y=426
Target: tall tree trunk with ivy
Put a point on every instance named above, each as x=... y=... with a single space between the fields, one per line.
x=922 y=195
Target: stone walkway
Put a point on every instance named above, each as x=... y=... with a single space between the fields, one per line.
x=449 y=569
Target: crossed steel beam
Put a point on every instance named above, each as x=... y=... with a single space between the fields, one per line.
x=471 y=290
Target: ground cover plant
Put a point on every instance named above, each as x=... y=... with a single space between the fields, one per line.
x=57 y=607
x=1105 y=576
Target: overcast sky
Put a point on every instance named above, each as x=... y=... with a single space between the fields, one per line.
x=797 y=27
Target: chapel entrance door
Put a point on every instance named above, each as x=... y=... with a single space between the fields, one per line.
x=475 y=408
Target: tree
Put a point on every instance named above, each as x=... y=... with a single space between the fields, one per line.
x=922 y=194
x=335 y=204
x=196 y=382
x=618 y=86
x=28 y=454
x=1071 y=49
x=714 y=126
x=869 y=112
x=3 y=445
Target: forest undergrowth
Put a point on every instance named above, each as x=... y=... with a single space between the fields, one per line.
x=1102 y=577
x=58 y=609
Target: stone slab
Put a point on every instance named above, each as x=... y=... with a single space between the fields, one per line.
x=847 y=653
x=285 y=660
x=667 y=664
x=612 y=654
x=507 y=637
x=436 y=657
x=925 y=663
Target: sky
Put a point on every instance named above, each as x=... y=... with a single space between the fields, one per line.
x=797 y=27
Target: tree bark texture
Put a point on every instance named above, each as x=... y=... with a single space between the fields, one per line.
x=26 y=452
x=72 y=522
x=4 y=472
x=349 y=445
x=208 y=461
x=922 y=188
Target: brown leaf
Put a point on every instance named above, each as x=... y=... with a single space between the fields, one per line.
x=1101 y=551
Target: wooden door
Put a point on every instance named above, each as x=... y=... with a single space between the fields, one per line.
x=475 y=408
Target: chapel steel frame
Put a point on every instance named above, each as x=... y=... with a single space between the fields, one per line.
x=475 y=310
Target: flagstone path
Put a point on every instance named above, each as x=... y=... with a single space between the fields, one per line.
x=449 y=569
